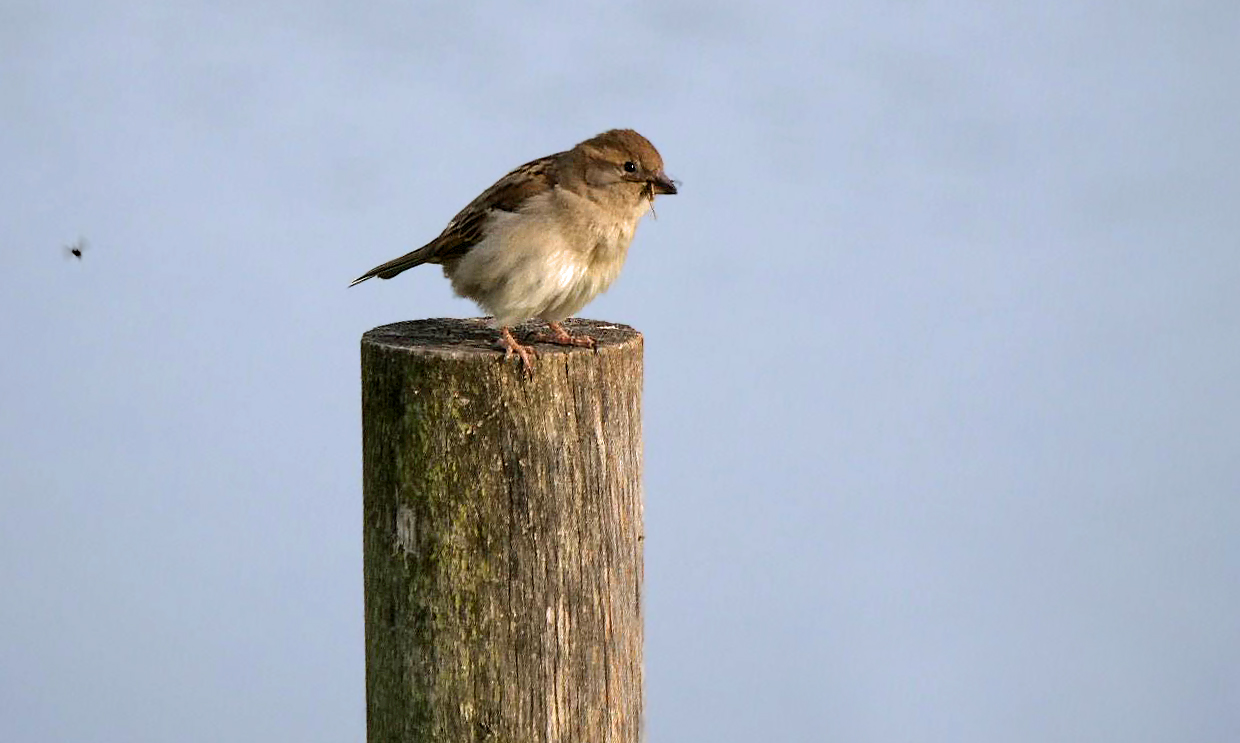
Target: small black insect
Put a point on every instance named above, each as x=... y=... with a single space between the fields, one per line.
x=76 y=249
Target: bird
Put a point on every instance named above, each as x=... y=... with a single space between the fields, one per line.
x=548 y=237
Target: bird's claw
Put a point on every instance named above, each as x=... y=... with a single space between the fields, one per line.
x=527 y=353
x=562 y=337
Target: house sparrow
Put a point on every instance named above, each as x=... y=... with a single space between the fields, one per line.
x=548 y=237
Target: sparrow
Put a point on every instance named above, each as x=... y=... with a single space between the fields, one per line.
x=548 y=237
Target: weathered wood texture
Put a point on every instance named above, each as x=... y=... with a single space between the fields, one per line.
x=502 y=536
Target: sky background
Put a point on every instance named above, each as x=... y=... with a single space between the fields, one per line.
x=942 y=403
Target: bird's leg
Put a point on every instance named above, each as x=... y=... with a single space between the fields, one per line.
x=527 y=353
x=562 y=337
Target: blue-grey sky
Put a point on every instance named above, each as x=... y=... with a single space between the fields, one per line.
x=942 y=376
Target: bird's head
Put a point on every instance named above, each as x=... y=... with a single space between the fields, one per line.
x=624 y=158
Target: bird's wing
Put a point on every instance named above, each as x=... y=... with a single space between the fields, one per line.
x=467 y=228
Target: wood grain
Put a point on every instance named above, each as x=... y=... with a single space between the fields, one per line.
x=502 y=536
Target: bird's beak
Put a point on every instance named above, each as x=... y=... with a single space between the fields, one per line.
x=660 y=183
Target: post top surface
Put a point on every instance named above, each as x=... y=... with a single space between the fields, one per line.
x=478 y=336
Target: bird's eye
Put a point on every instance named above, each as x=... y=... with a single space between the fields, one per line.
x=630 y=166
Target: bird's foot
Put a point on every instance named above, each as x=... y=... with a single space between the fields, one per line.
x=527 y=353
x=562 y=337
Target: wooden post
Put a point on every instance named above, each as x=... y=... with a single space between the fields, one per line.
x=502 y=537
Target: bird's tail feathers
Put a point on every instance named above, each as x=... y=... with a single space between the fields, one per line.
x=394 y=266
